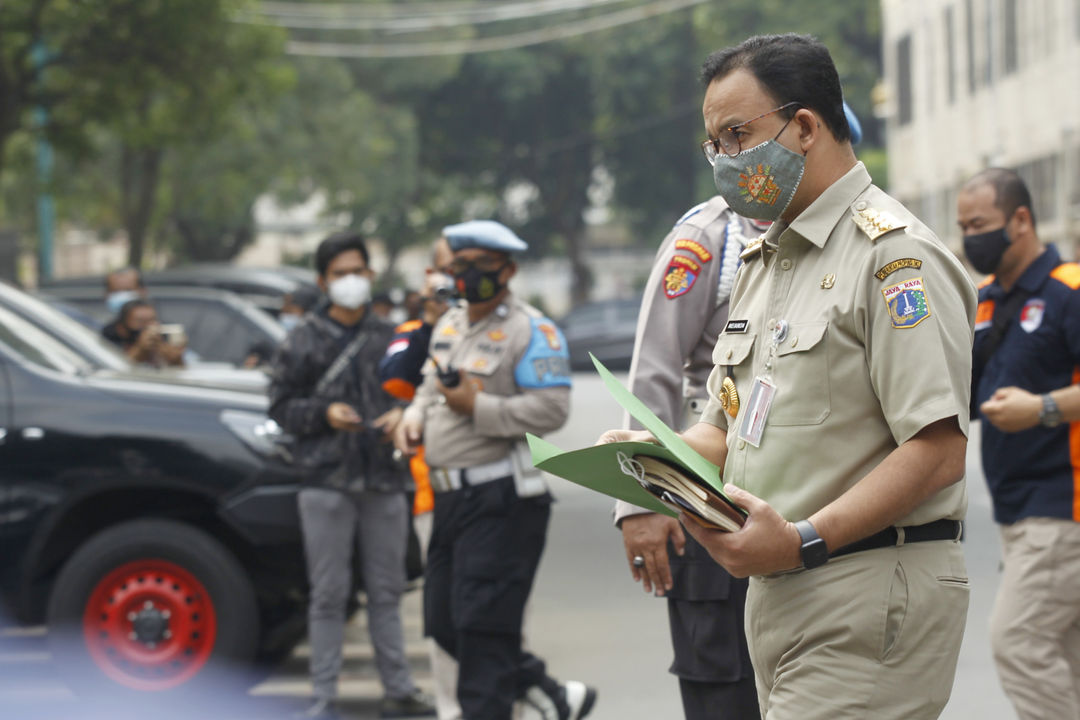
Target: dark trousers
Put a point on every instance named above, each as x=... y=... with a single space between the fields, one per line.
x=485 y=548
x=705 y=613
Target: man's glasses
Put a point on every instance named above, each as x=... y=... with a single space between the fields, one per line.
x=729 y=141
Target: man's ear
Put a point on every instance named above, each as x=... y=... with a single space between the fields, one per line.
x=510 y=270
x=321 y=282
x=809 y=127
x=1022 y=218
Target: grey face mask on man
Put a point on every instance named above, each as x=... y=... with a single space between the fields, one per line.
x=760 y=182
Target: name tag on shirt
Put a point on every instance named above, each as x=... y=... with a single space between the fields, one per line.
x=736 y=326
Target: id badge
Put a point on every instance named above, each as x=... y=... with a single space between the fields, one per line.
x=757 y=411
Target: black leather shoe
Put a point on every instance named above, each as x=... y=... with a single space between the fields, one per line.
x=319 y=710
x=417 y=704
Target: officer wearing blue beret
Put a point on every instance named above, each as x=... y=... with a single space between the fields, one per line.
x=499 y=369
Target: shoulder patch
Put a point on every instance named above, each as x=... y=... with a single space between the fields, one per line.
x=546 y=362
x=874 y=223
x=691 y=213
x=984 y=315
x=693 y=246
x=907 y=303
x=1067 y=274
x=681 y=275
x=897 y=265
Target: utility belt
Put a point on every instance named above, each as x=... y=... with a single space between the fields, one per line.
x=528 y=481
x=896 y=536
x=446 y=479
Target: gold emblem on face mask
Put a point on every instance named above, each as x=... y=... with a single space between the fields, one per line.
x=729 y=397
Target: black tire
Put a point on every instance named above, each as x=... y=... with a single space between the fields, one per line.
x=179 y=557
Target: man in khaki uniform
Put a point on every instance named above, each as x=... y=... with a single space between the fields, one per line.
x=684 y=308
x=838 y=405
x=500 y=369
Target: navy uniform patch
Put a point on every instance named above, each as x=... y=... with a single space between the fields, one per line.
x=907 y=303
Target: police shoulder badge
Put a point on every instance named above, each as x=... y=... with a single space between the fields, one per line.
x=907 y=303
x=681 y=275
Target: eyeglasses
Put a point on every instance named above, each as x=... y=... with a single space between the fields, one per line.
x=729 y=141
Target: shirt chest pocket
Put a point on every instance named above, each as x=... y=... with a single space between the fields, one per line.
x=801 y=373
x=484 y=363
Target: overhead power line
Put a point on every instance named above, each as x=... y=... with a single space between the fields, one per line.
x=490 y=44
x=404 y=18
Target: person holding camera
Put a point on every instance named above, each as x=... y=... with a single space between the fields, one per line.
x=143 y=339
x=324 y=390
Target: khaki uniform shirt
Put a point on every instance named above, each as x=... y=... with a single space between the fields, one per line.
x=683 y=310
x=519 y=358
x=875 y=345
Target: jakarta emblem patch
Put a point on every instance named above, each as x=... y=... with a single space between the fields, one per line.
x=907 y=303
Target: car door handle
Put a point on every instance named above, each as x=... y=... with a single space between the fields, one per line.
x=33 y=433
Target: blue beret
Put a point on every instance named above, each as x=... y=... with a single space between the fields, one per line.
x=853 y=123
x=483 y=234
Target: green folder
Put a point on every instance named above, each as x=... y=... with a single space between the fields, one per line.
x=597 y=467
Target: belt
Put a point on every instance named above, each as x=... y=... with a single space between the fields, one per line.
x=445 y=479
x=889 y=537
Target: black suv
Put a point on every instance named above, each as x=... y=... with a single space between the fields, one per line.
x=149 y=523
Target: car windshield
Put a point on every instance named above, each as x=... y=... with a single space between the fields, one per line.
x=37 y=347
x=93 y=348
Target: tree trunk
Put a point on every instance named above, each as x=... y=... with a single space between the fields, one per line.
x=139 y=177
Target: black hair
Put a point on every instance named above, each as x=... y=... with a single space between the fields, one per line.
x=306 y=297
x=337 y=244
x=791 y=68
x=129 y=268
x=131 y=306
x=1010 y=190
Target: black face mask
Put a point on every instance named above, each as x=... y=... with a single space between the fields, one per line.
x=985 y=250
x=477 y=285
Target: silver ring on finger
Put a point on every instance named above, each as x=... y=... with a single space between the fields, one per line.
x=638 y=561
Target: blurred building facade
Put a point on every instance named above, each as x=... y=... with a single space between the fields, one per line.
x=972 y=84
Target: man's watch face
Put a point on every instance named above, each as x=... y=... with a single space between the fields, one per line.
x=814 y=553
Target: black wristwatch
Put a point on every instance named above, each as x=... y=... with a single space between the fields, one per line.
x=814 y=551
x=1051 y=413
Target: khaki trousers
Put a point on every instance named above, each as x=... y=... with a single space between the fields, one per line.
x=1035 y=625
x=874 y=634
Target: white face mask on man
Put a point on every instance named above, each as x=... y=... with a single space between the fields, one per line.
x=350 y=292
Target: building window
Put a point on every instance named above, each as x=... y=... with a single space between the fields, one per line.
x=950 y=54
x=1011 y=32
x=903 y=79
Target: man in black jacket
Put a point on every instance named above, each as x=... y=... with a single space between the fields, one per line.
x=325 y=391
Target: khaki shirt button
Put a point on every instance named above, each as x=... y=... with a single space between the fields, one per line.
x=730 y=353
x=794 y=341
x=785 y=264
x=772 y=323
x=861 y=205
x=741 y=445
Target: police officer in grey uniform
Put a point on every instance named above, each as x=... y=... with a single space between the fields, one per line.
x=683 y=310
x=499 y=369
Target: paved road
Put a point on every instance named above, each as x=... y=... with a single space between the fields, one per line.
x=586 y=618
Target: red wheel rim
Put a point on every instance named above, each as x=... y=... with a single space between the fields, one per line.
x=150 y=625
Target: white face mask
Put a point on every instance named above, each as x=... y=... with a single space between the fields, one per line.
x=350 y=292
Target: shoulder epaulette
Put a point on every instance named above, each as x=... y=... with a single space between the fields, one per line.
x=1067 y=273
x=690 y=213
x=874 y=223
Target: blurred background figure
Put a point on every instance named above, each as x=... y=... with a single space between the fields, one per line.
x=138 y=333
x=122 y=286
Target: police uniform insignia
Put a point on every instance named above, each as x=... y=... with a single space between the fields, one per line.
x=479 y=364
x=551 y=335
x=907 y=303
x=1031 y=315
x=694 y=247
x=678 y=280
x=828 y=281
x=497 y=335
x=752 y=249
x=729 y=397
x=874 y=223
x=757 y=185
x=896 y=265
x=448 y=330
